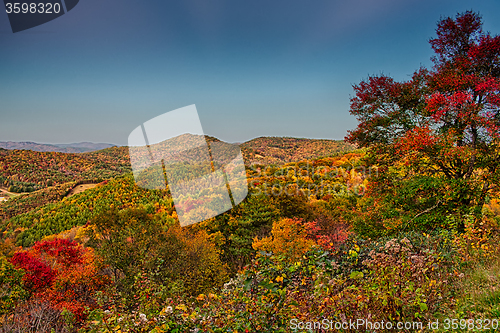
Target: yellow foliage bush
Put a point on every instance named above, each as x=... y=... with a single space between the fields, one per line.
x=197 y=263
x=288 y=237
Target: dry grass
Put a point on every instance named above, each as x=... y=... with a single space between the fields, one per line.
x=80 y=189
x=480 y=291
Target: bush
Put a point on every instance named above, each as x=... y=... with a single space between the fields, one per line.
x=35 y=316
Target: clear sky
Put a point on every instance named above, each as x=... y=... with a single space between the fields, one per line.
x=253 y=68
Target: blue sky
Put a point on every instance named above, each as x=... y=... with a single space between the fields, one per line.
x=253 y=68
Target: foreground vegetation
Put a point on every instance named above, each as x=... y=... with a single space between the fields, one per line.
x=278 y=257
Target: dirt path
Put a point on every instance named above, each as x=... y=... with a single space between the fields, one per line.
x=76 y=190
x=9 y=194
x=80 y=189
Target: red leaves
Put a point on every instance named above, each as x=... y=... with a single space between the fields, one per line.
x=61 y=250
x=38 y=275
x=488 y=85
x=418 y=139
x=378 y=103
x=485 y=54
x=328 y=240
x=46 y=260
x=435 y=104
x=455 y=37
x=456 y=105
x=373 y=93
x=62 y=273
x=459 y=99
x=462 y=94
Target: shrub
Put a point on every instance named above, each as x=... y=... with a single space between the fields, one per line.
x=63 y=274
x=35 y=316
x=289 y=238
x=38 y=274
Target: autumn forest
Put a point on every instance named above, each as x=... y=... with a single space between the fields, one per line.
x=397 y=224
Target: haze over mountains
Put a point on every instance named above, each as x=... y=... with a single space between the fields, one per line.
x=80 y=147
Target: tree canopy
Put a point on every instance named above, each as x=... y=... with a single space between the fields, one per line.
x=435 y=137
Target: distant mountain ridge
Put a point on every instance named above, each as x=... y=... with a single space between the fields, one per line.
x=261 y=150
x=24 y=168
x=281 y=150
x=79 y=147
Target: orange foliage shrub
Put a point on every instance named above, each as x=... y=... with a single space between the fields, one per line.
x=289 y=237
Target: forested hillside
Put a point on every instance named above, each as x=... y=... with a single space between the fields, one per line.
x=275 y=150
x=27 y=170
x=59 y=148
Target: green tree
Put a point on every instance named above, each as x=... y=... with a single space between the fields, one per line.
x=237 y=229
x=133 y=243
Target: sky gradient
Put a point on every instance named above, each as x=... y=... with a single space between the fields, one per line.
x=253 y=68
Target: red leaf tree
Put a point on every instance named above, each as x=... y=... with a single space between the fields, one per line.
x=440 y=129
x=39 y=275
x=62 y=273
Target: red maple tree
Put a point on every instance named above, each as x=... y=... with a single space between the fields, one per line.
x=442 y=126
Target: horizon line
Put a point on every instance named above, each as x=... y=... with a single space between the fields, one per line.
x=119 y=145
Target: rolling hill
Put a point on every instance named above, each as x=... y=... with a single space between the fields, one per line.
x=281 y=150
x=28 y=170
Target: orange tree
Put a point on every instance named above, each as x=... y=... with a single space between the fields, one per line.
x=434 y=138
x=289 y=237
